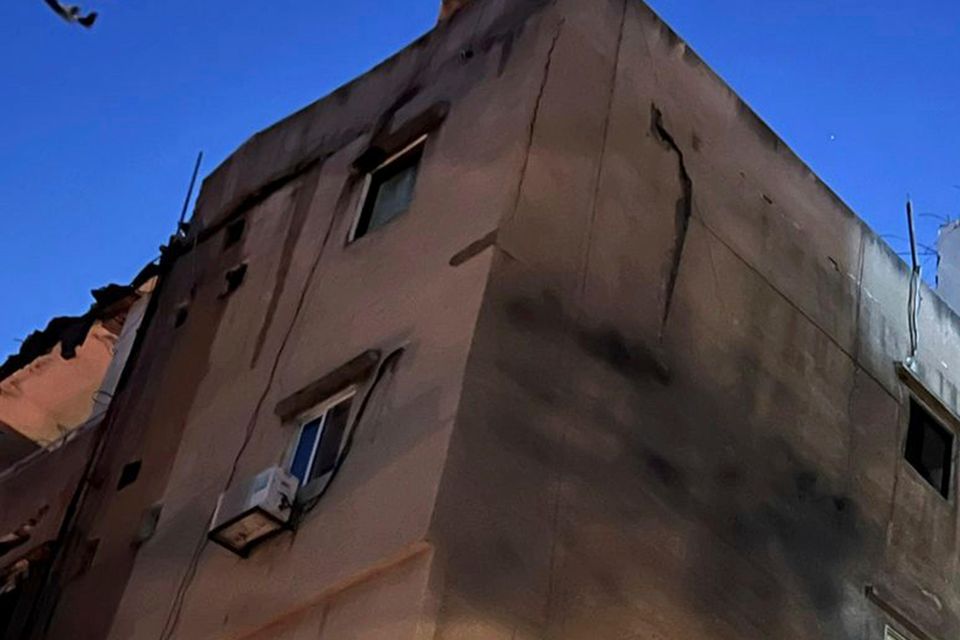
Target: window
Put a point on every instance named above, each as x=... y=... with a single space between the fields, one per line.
x=20 y=585
x=320 y=443
x=11 y=596
x=929 y=448
x=389 y=189
x=891 y=634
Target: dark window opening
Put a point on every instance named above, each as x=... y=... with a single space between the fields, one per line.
x=930 y=448
x=20 y=585
x=320 y=443
x=234 y=233
x=9 y=599
x=234 y=279
x=129 y=474
x=390 y=189
x=12 y=598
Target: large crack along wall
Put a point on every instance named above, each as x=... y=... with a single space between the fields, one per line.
x=717 y=455
x=683 y=213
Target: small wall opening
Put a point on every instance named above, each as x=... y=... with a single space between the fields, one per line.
x=129 y=474
x=234 y=233
x=181 y=316
x=234 y=278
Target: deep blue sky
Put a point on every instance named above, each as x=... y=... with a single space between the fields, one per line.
x=100 y=128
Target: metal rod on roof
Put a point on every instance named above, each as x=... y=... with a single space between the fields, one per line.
x=186 y=202
x=913 y=233
x=913 y=304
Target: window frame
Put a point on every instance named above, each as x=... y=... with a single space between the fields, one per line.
x=890 y=633
x=311 y=488
x=942 y=414
x=947 y=488
x=419 y=142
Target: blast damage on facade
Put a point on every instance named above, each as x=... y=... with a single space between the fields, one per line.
x=621 y=366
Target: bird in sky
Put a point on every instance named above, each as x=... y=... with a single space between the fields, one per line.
x=72 y=13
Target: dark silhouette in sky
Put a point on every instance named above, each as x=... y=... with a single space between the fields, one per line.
x=72 y=13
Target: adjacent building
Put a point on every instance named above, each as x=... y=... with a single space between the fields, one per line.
x=558 y=339
x=54 y=395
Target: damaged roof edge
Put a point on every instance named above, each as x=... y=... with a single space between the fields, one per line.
x=70 y=332
x=219 y=194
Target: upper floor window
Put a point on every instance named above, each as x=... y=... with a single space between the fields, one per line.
x=319 y=443
x=389 y=189
x=929 y=448
x=891 y=634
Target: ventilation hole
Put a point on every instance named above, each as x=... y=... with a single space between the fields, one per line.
x=129 y=475
x=183 y=312
x=234 y=279
x=234 y=233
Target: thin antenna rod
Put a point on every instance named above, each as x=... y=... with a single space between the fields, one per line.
x=913 y=234
x=186 y=202
x=913 y=304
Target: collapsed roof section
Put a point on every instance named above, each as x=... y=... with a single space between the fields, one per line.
x=70 y=332
x=61 y=374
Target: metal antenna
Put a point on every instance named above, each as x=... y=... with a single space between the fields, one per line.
x=181 y=226
x=913 y=305
x=913 y=232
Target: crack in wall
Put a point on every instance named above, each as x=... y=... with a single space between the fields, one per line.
x=605 y=138
x=683 y=214
x=531 y=130
x=303 y=199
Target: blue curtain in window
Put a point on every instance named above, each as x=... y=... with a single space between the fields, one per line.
x=305 y=447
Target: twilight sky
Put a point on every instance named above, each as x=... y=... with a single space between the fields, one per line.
x=101 y=127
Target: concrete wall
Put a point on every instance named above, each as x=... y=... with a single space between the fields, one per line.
x=948 y=264
x=664 y=406
x=53 y=395
x=39 y=488
x=199 y=409
x=681 y=416
x=14 y=446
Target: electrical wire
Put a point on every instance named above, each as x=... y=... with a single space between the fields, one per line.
x=176 y=608
x=173 y=616
x=388 y=363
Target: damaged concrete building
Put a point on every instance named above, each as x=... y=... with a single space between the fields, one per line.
x=558 y=340
x=54 y=395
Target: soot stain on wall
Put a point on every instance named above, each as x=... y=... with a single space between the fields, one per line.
x=766 y=519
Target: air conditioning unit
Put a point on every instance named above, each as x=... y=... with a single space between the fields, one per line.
x=253 y=511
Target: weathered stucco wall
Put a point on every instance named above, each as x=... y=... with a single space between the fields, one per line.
x=664 y=406
x=38 y=489
x=54 y=395
x=681 y=416
x=358 y=565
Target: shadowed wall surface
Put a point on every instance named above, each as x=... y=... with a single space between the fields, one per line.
x=647 y=386
x=681 y=416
